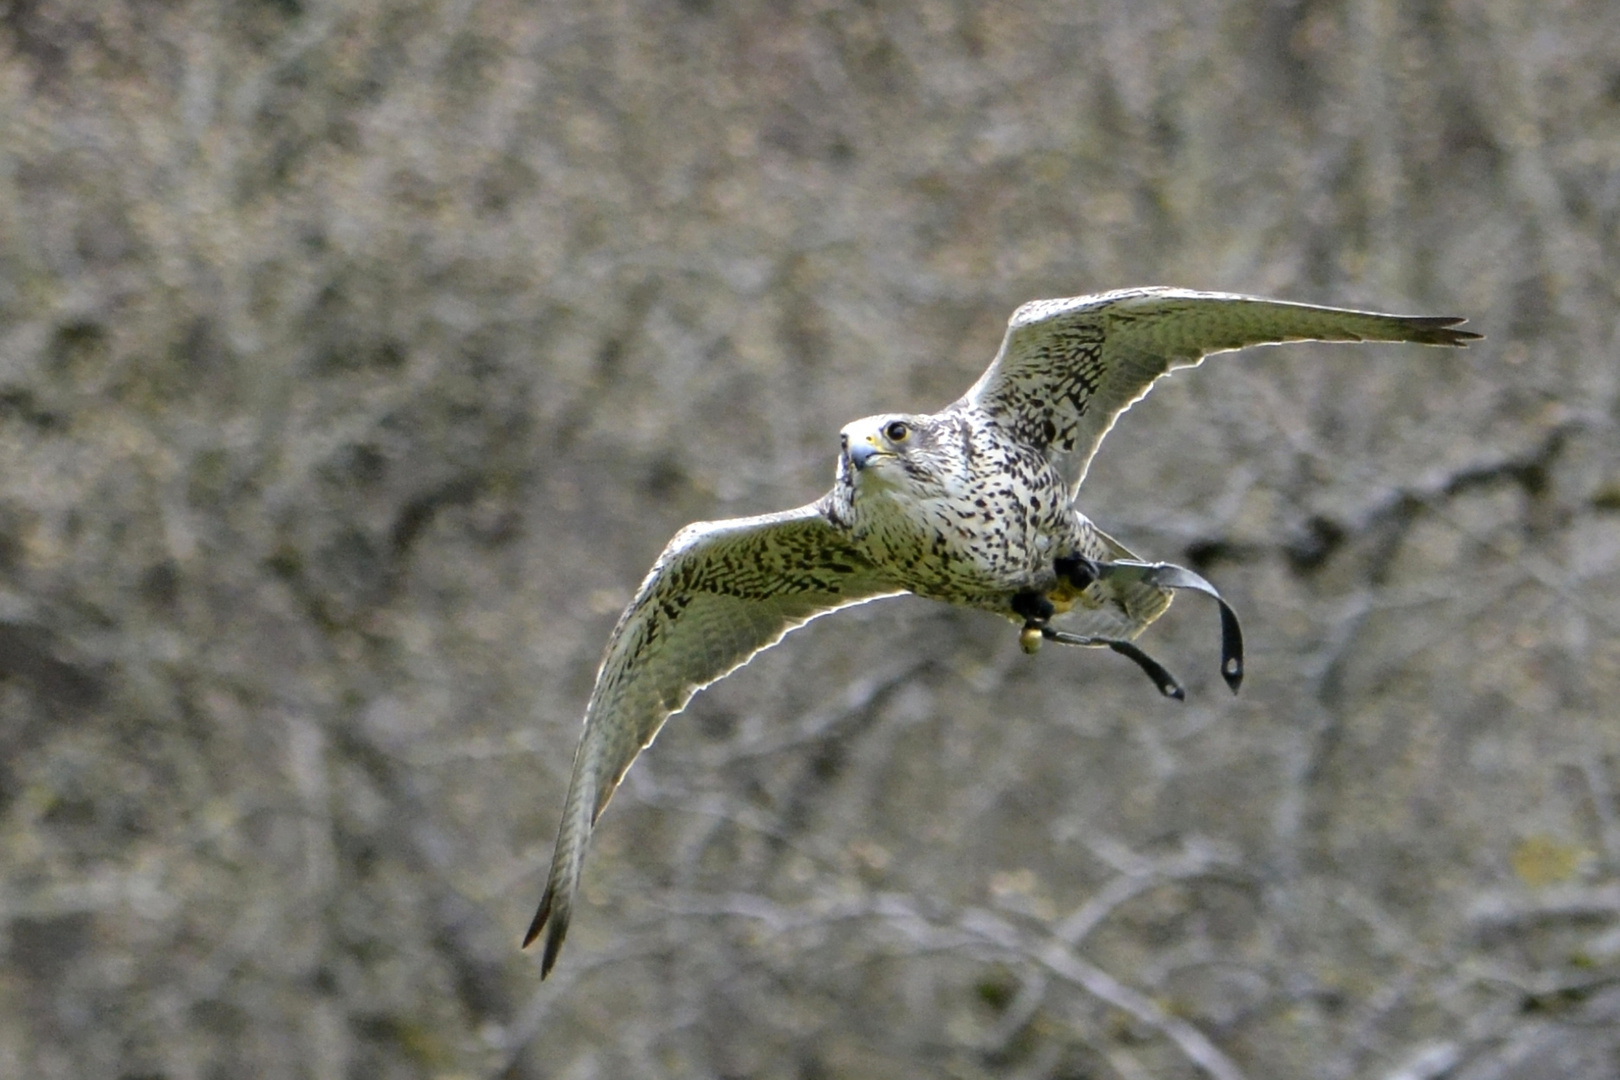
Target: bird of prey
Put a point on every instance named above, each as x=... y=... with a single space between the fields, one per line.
x=972 y=505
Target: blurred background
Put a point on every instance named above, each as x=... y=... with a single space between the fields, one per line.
x=357 y=359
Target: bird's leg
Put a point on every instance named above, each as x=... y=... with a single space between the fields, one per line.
x=1035 y=609
x=1170 y=576
x=1077 y=570
x=1080 y=572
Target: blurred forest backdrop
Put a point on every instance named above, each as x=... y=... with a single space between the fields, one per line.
x=356 y=359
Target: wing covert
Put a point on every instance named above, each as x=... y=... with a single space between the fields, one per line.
x=1067 y=368
x=720 y=592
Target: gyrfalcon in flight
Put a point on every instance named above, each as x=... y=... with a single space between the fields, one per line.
x=972 y=505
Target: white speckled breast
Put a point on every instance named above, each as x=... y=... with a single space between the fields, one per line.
x=988 y=523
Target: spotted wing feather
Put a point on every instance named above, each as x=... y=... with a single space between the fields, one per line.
x=720 y=592
x=1068 y=368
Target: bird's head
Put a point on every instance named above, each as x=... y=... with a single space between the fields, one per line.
x=897 y=456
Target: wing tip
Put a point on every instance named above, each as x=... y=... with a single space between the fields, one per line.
x=554 y=941
x=1441 y=330
x=554 y=921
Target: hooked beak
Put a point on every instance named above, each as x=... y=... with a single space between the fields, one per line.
x=861 y=454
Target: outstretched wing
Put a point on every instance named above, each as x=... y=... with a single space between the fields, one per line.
x=1068 y=368
x=720 y=592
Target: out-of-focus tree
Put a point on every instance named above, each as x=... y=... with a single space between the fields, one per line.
x=357 y=359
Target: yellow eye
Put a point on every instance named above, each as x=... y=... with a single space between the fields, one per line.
x=897 y=431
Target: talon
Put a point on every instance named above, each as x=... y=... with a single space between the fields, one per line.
x=1077 y=570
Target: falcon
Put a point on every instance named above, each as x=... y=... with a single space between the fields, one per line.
x=972 y=505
